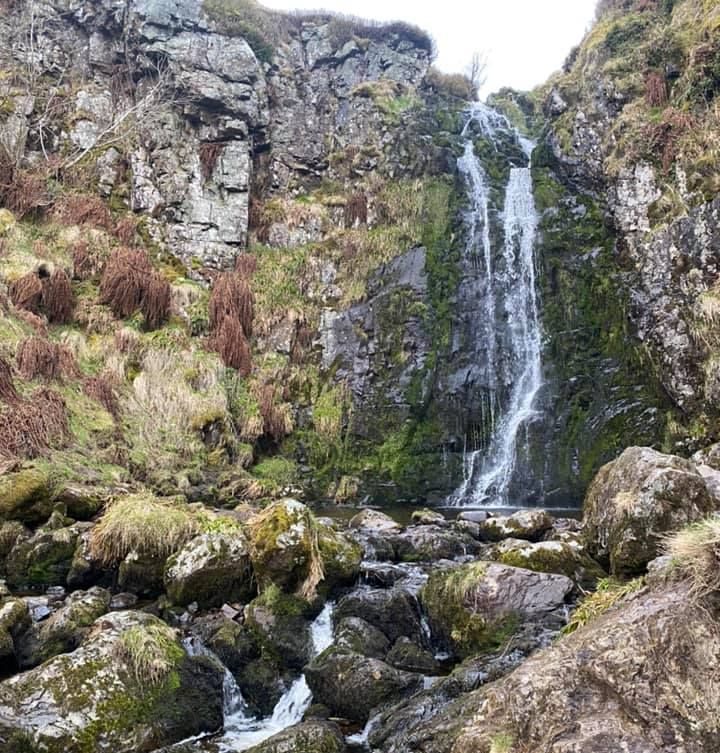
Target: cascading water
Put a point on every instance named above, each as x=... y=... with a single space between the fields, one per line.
x=242 y=731
x=509 y=335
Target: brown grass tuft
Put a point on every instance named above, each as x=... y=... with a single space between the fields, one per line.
x=21 y=191
x=276 y=420
x=8 y=393
x=231 y=297
x=85 y=263
x=31 y=426
x=245 y=265
x=695 y=552
x=83 y=209
x=27 y=292
x=302 y=340
x=656 y=90
x=209 y=155
x=155 y=301
x=231 y=344
x=356 y=210
x=123 y=281
x=58 y=299
x=102 y=391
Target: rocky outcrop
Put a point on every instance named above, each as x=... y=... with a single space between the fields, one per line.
x=637 y=499
x=619 y=690
x=130 y=684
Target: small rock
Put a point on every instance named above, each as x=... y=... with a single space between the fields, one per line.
x=123 y=601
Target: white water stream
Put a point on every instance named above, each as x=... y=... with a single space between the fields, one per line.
x=241 y=730
x=509 y=335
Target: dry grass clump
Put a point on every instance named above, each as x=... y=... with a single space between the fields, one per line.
x=37 y=323
x=83 y=209
x=695 y=551
x=58 y=299
x=150 y=653
x=664 y=138
x=277 y=416
x=27 y=292
x=86 y=263
x=609 y=592
x=452 y=84
x=209 y=154
x=232 y=346
x=231 y=297
x=8 y=393
x=102 y=391
x=141 y=523
x=29 y=427
x=129 y=282
x=21 y=191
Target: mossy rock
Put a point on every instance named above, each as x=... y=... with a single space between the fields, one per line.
x=211 y=569
x=141 y=575
x=307 y=737
x=550 y=557
x=26 y=495
x=476 y=608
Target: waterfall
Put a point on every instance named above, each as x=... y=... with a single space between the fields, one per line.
x=243 y=731
x=508 y=338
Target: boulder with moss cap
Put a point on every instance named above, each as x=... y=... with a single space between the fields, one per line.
x=129 y=686
x=26 y=495
x=476 y=607
x=636 y=500
x=523 y=524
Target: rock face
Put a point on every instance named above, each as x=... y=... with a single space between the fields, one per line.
x=635 y=500
x=103 y=696
x=618 y=691
x=477 y=607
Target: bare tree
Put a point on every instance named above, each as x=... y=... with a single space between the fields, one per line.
x=476 y=70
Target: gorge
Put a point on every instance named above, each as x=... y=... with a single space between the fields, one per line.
x=340 y=411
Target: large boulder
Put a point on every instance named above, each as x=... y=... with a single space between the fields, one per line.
x=352 y=685
x=355 y=634
x=394 y=612
x=130 y=686
x=211 y=569
x=290 y=548
x=312 y=736
x=430 y=542
x=26 y=495
x=64 y=630
x=477 y=607
x=375 y=521
x=45 y=558
x=637 y=499
x=642 y=678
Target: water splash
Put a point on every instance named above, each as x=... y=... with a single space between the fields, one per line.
x=510 y=335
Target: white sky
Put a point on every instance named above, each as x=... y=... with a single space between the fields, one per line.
x=524 y=41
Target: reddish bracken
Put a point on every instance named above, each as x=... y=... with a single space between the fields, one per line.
x=126 y=229
x=8 y=393
x=31 y=426
x=274 y=422
x=37 y=322
x=230 y=343
x=356 y=210
x=101 y=390
x=27 y=292
x=83 y=209
x=123 y=281
x=58 y=300
x=245 y=265
x=155 y=301
x=231 y=297
x=656 y=90
x=38 y=358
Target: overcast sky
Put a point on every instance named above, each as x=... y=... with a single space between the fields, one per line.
x=524 y=41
